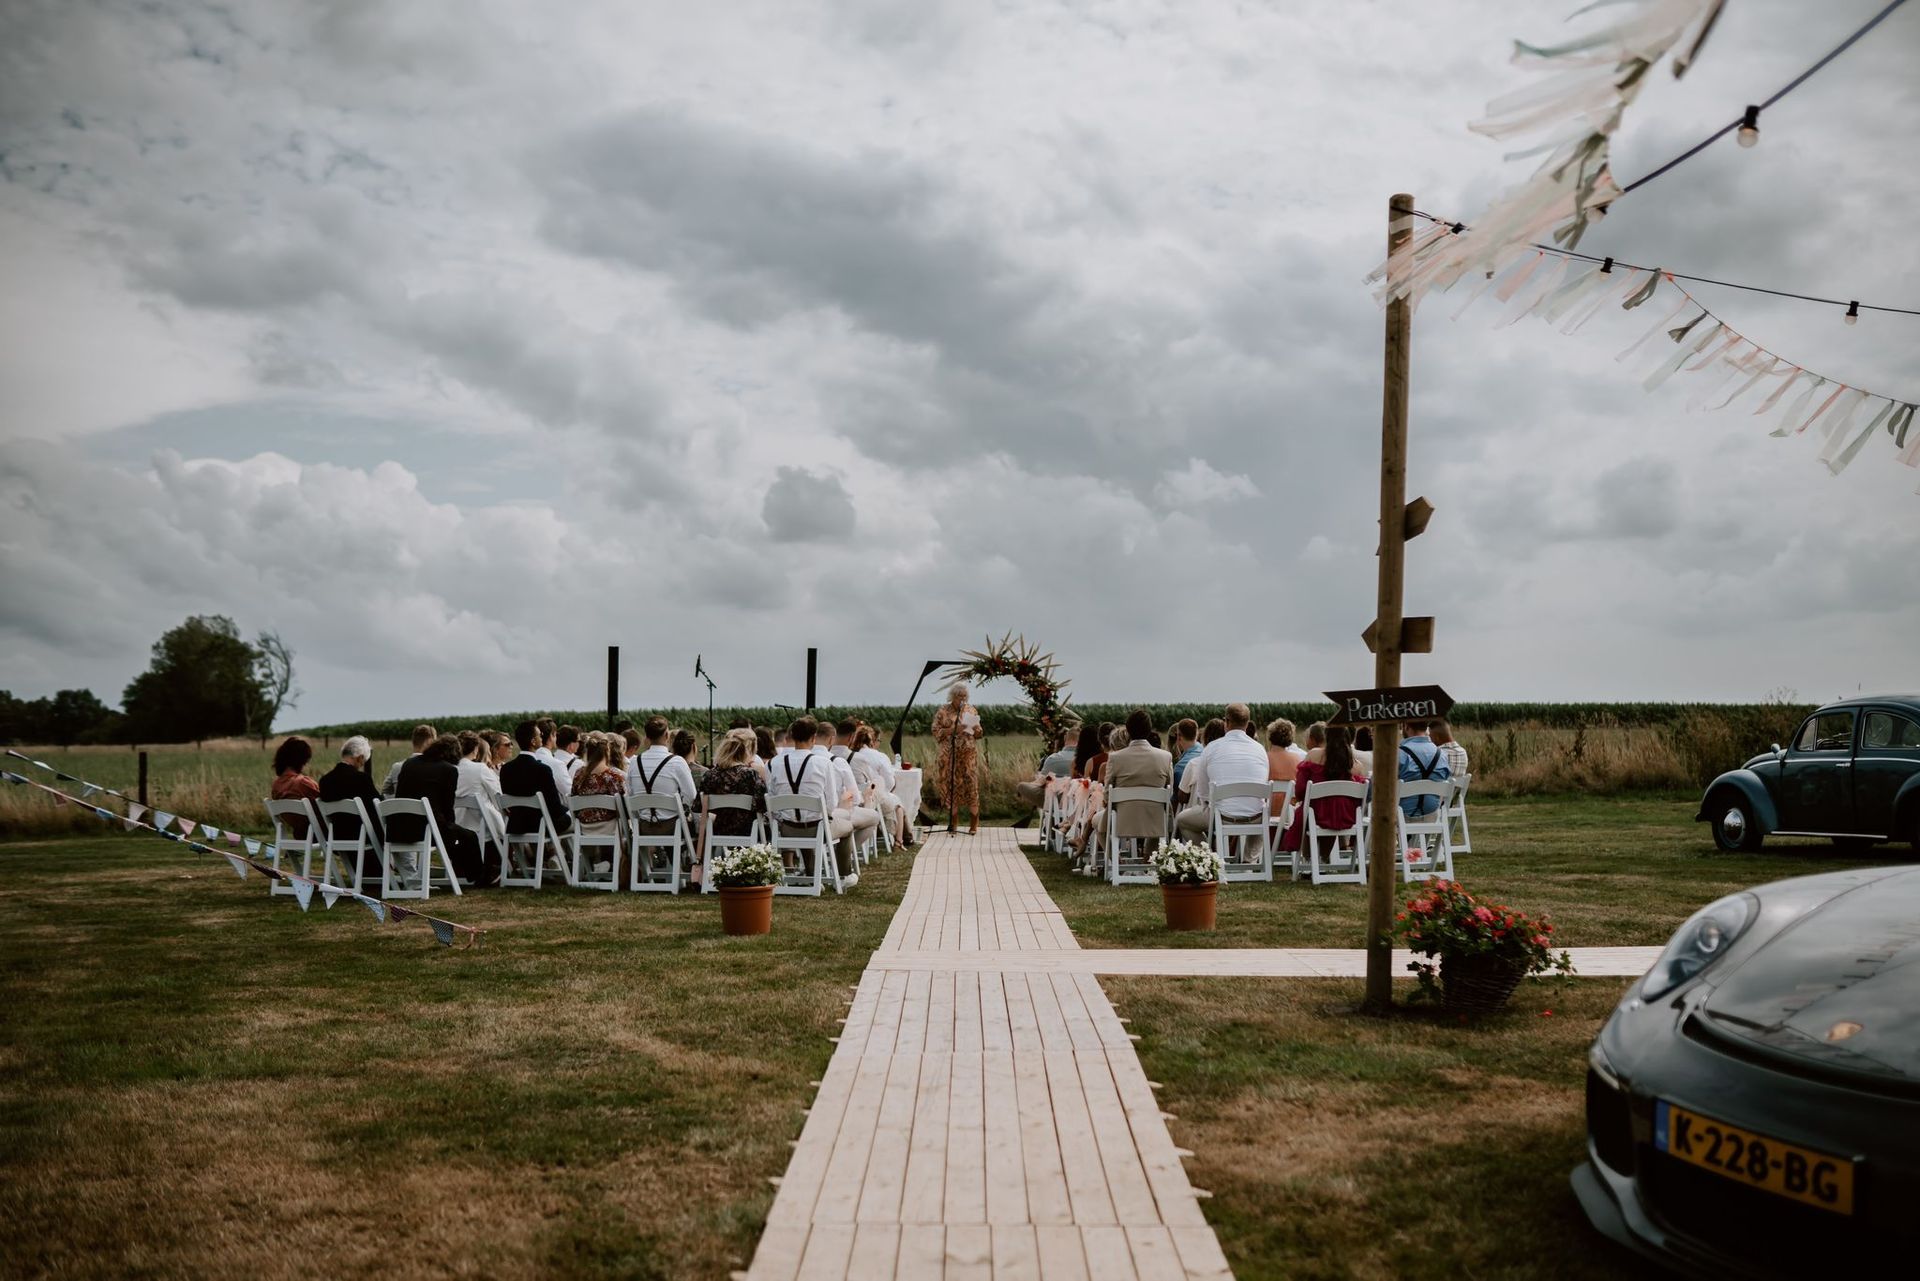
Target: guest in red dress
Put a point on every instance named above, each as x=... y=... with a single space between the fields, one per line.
x=1332 y=811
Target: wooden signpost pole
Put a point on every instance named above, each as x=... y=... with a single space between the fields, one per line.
x=1385 y=835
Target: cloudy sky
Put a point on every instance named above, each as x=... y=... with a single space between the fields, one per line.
x=456 y=343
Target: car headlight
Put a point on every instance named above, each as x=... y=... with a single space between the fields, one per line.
x=1696 y=945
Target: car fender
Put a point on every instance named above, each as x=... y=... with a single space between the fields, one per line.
x=1906 y=804
x=1749 y=787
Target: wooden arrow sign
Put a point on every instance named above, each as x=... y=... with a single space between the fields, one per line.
x=1416 y=635
x=1385 y=706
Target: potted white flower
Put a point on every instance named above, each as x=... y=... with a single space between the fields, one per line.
x=745 y=877
x=1189 y=883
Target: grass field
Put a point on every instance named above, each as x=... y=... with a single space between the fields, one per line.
x=200 y=1081
x=195 y=1081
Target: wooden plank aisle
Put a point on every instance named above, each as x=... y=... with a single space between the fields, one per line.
x=984 y=1115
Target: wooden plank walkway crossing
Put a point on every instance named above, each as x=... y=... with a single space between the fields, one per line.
x=1226 y=962
x=980 y=1118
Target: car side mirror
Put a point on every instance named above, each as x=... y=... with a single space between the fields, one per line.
x=1779 y=752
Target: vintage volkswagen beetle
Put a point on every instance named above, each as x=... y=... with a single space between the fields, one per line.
x=1852 y=772
x=1753 y=1104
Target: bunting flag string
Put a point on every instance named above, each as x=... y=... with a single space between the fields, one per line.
x=1724 y=365
x=444 y=931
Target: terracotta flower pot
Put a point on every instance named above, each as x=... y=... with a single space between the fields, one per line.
x=1190 y=907
x=1479 y=984
x=746 y=909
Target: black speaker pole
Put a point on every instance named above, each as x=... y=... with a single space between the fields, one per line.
x=613 y=685
x=813 y=673
x=932 y=665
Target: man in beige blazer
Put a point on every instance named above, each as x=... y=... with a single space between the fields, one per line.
x=1138 y=764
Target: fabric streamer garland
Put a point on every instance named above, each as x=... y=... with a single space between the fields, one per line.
x=1577 y=113
x=1730 y=366
x=445 y=932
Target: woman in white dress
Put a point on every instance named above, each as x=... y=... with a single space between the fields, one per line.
x=476 y=798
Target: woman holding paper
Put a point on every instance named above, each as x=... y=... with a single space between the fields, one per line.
x=957 y=729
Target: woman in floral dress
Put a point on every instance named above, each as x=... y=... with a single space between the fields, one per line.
x=957 y=730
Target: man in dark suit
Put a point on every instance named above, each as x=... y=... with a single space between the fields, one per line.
x=528 y=775
x=347 y=781
x=433 y=776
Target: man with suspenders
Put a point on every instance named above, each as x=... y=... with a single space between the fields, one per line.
x=806 y=770
x=1421 y=761
x=657 y=770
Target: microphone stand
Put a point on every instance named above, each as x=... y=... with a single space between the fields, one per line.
x=953 y=782
x=700 y=670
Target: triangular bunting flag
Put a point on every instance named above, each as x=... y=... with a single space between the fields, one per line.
x=303 y=893
x=161 y=820
x=87 y=790
x=11 y=777
x=173 y=836
x=331 y=894
x=187 y=825
x=44 y=765
x=198 y=848
x=209 y=832
x=131 y=824
x=233 y=838
x=272 y=851
x=253 y=846
x=378 y=908
x=64 y=778
x=443 y=930
x=135 y=810
x=106 y=816
x=239 y=865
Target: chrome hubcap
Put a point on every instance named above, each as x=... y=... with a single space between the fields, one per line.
x=1733 y=824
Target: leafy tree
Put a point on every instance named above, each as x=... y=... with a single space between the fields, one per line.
x=70 y=716
x=203 y=682
x=274 y=670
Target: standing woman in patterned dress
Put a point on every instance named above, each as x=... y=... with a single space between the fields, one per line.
x=957 y=729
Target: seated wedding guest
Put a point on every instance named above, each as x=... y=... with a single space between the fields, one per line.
x=738 y=722
x=683 y=746
x=657 y=771
x=528 y=775
x=1136 y=762
x=422 y=735
x=871 y=768
x=566 y=747
x=802 y=771
x=349 y=780
x=500 y=749
x=859 y=801
x=1186 y=747
x=1192 y=789
x=763 y=750
x=1316 y=740
x=1335 y=765
x=1232 y=758
x=598 y=776
x=1421 y=761
x=732 y=774
x=478 y=794
x=1363 y=750
x=544 y=753
x=1456 y=754
x=1283 y=758
x=1096 y=768
x=290 y=779
x=1055 y=764
x=842 y=743
x=433 y=776
x=1086 y=749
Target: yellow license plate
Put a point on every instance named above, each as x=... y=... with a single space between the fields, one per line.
x=1785 y=1169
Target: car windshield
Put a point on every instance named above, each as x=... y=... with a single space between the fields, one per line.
x=1826 y=732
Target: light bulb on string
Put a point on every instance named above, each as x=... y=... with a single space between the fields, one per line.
x=1853 y=313
x=1750 y=127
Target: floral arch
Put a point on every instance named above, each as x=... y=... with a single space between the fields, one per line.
x=1037 y=673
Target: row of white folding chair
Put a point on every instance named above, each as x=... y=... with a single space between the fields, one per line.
x=647 y=872
x=1424 y=847
x=812 y=863
x=1127 y=856
x=406 y=868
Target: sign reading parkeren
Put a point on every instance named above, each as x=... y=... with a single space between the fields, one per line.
x=1384 y=706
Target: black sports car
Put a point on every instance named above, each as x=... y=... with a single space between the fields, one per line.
x=1753 y=1105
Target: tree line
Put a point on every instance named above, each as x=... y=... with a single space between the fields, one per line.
x=204 y=680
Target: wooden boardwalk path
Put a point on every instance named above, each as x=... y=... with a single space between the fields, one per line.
x=983 y=1121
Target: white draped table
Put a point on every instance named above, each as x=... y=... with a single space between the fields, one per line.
x=906 y=786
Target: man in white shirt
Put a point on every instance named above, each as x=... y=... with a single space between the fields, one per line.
x=800 y=770
x=422 y=735
x=872 y=770
x=856 y=802
x=1232 y=758
x=549 y=735
x=566 y=738
x=659 y=772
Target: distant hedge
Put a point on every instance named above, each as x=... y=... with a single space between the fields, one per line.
x=1009 y=718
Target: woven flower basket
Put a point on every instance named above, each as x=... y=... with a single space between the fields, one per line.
x=1479 y=984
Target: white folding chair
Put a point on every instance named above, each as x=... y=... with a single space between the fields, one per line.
x=1344 y=856
x=1460 y=836
x=814 y=846
x=1127 y=855
x=286 y=843
x=1426 y=843
x=711 y=840
x=1279 y=820
x=582 y=843
x=1231 y=835
x=651 y=871
x=407 y=870
x=538 y=848
x=341 y=848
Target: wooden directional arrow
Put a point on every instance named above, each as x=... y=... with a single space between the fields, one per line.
x=1388 y=706
x=1416 y=635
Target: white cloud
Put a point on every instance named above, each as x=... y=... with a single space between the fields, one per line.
x=1199 y=485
